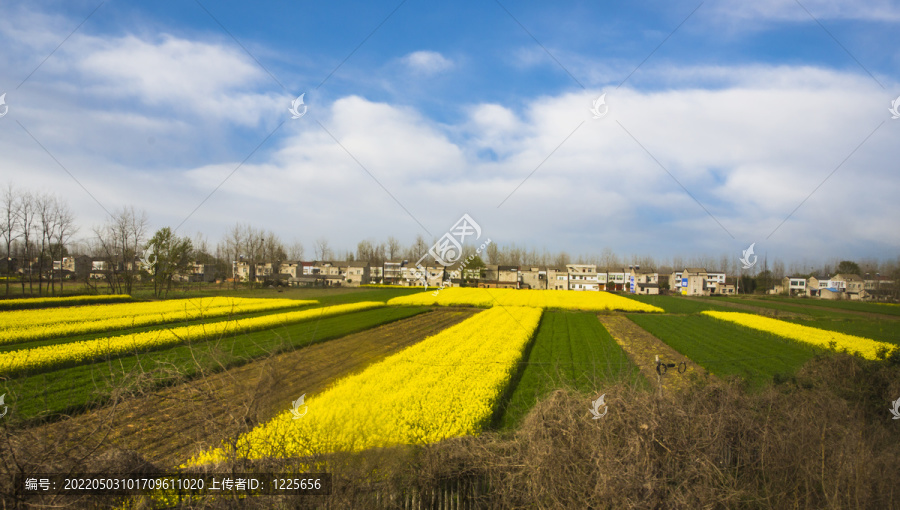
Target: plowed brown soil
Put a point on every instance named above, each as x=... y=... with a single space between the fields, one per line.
x=169 y=426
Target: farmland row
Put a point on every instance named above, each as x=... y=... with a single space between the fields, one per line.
x=867 y=348
x=177 y=421
x=71 y=390
x=546 y=299
x=47 y=302
x=570 y=350
x=26 y=325
x=727 y=349
x=445 y=386
x=74 y=353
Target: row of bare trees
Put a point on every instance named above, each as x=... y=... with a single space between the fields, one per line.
x=35 y=229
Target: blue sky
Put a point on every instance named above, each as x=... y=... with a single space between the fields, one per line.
x=716 y=131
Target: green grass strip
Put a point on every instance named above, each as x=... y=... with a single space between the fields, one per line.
x=570 y=350
x=726 y=349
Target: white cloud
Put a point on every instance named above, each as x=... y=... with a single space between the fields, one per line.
x=427 y=62
x=876 y=10
x=749 y=142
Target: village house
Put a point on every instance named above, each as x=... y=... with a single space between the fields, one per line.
x=392 y=272
x=690 y=282
x=615 y=281
x=582 y=277
x=533 y=278
x=500 y=277
x=77 y=267
x=557 y=279
x=793 y=286
x=643 y=282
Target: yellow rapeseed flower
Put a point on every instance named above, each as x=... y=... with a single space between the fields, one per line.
x=51 y=356
x=553 y=299
x=866 y=347
x=445 y=386
x=25 y=325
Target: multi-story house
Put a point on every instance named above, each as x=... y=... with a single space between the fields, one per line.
x=694 y=282
x=793 y=285
x=715 y=282
x=643 y=282
x=393 y=272
x=853 y=286
x=557 y=278
x=199 y=273
x=602 y=283
x=291 y=268
x=616 y=281
x=356 y=274
x=500 y=277
x=533 y=278
x=78 y=266
x=582 y=277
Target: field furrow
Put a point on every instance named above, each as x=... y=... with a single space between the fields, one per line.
x=170 y=425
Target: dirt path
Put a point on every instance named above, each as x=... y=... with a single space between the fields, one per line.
x=170 y=425
x=642 y=348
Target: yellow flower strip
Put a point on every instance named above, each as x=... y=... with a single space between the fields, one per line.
x=556 y=299
x=12 y=304
x=445 y=386
x=26 y=325
x=52 y=356
x=818 y=337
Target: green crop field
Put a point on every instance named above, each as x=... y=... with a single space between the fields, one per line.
x=795 y=306
x=728 y=349
x=570 y=350
x=856 y=306
x=72 y=389
x=678 y=304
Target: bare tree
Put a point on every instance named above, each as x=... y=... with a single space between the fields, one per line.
x=10 y=226
x=119 y=242
x=418 y=249
x=322 y=249
x=609 y=259
x=393 y=248
x=27 y=219
x=562 y=259
x=295 y=250
x=45 y=205
x=493 y=253
x=65 y=228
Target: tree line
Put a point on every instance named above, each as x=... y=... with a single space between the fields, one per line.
x=37 y=230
